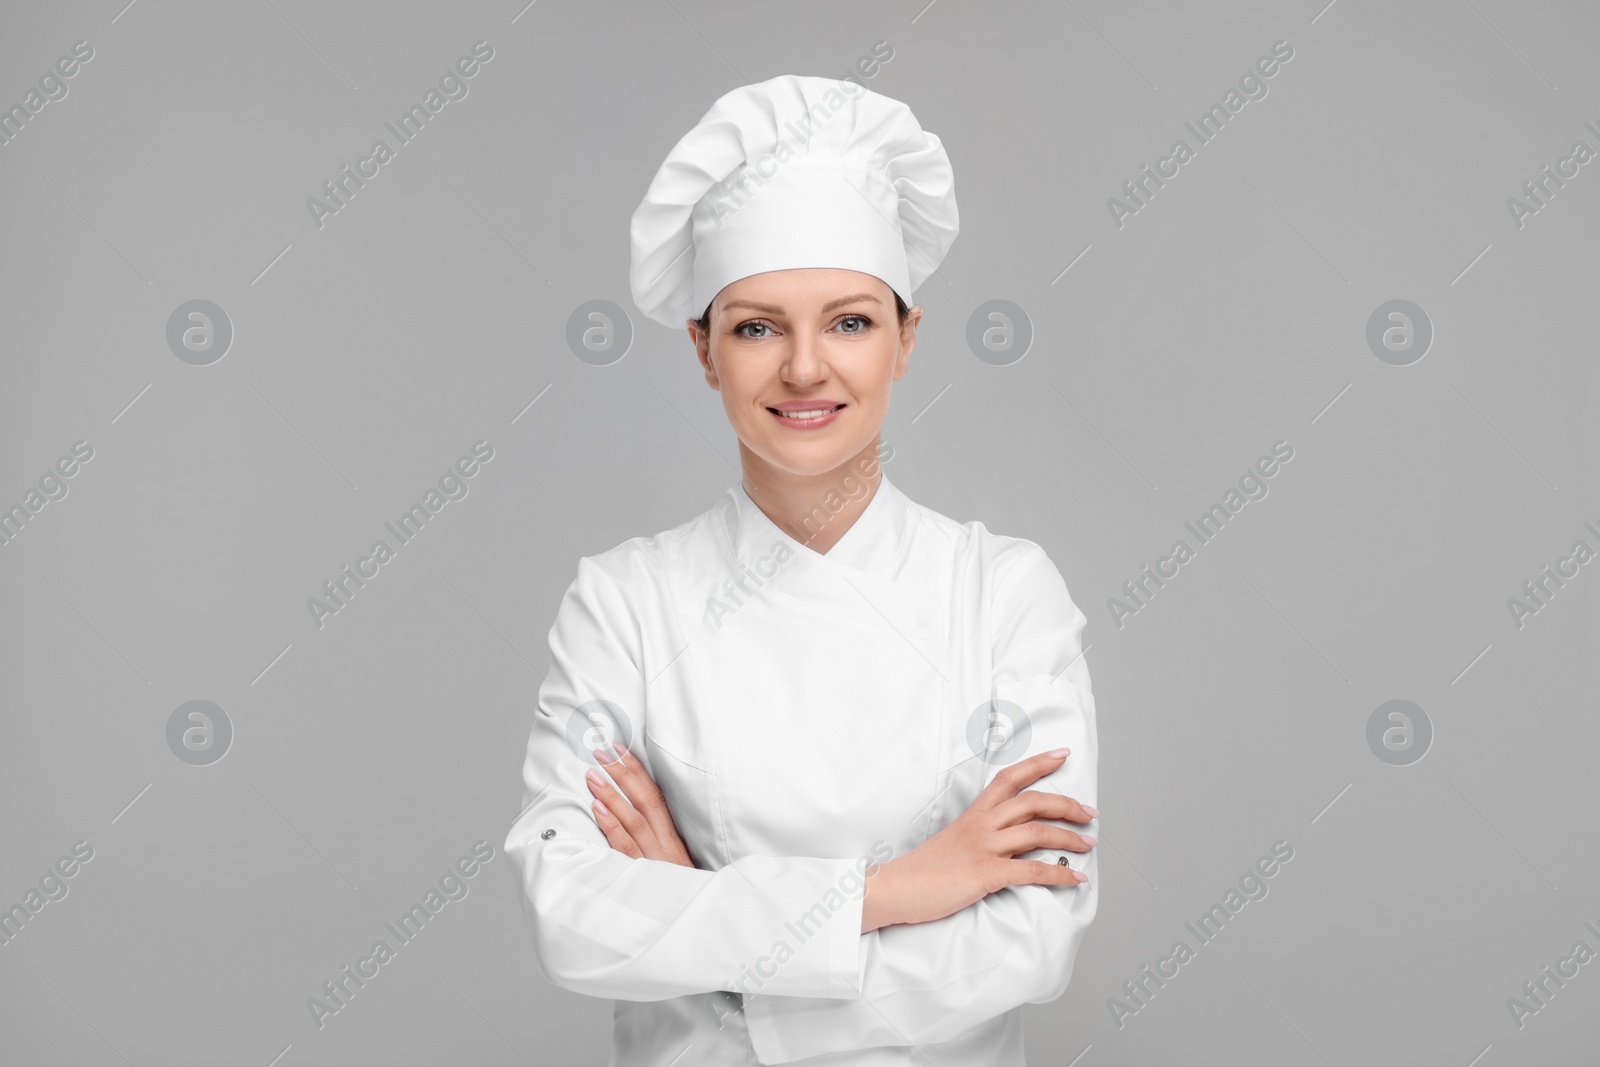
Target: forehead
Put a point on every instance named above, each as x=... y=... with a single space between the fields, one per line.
x=803 y=288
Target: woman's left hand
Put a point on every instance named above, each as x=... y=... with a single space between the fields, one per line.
x=635 y=820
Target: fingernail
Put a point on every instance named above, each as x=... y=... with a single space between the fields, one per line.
x=595 y=776
x=1059 y=752
x=622 y=749
x=1092 y=813
x=1090 y=839
x=601 y=808
x=1082 y=877
x=603 y=756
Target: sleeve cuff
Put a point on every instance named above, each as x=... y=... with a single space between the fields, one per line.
x=769 y=1017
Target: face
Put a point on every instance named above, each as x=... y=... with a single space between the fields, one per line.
x=805 y=341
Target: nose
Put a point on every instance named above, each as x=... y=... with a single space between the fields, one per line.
x=806 y=363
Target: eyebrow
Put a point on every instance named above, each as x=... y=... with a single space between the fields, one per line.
x=772 y=309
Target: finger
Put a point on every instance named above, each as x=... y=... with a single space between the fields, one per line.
x=1038 y=803
x=616 y=835
x=1037 y=872
x=622 y=810
x=642 y=811
x=642 y=791
x=1032 y=835
x=620 y=773
x=1010 y=780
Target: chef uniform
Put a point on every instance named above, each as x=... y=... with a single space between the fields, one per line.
x=804 y=713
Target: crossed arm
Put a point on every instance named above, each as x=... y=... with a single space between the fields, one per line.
x=960 y=865
x=616 y=908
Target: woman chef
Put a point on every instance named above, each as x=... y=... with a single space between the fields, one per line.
x=854 y=734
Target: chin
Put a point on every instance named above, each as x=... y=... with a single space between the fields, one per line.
x=816 y=460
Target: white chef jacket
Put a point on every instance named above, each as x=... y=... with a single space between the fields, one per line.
x=804 y=714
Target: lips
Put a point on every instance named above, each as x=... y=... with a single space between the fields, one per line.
x=804 y=411
x=806 y=414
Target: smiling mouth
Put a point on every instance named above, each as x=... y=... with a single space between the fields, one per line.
x=812 y=413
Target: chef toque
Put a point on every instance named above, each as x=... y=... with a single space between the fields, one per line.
x=796 y=171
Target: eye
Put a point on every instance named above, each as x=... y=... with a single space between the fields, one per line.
x=754 y=324
x=863 y=324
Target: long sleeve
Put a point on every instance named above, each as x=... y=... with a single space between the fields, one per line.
x=607 y=925
x=926 y=983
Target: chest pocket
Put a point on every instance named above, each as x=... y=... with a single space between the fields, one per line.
x=692 y=800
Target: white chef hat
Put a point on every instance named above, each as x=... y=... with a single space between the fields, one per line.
x=796 y=171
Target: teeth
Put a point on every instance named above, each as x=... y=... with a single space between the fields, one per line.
x=815 y=413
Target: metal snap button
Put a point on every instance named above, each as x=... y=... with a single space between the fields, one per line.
x=548 y=834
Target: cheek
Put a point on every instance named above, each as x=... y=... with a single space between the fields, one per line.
x=876 y=377
x=738 y=385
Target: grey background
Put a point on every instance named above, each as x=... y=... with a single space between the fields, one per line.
x=369 y=354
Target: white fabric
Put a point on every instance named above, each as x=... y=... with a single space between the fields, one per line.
x=821 y=725
x=795 y=171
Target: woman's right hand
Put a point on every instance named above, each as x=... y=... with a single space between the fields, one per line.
x=972 y=856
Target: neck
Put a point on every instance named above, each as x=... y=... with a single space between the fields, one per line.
x=799 y=504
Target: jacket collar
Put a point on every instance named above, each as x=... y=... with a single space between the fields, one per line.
x=872 y=544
